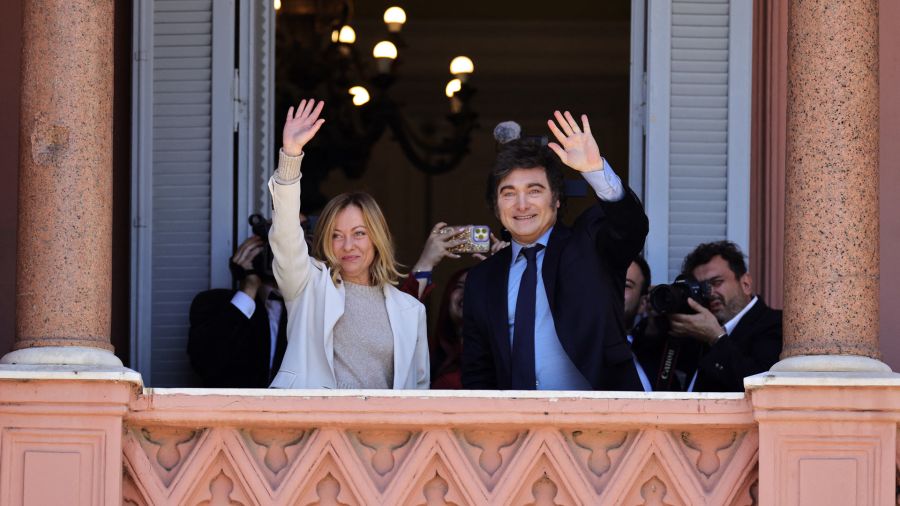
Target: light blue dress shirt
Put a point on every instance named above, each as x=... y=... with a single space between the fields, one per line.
x=553 y=368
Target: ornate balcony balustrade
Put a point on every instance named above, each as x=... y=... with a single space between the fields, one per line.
x=438 y=448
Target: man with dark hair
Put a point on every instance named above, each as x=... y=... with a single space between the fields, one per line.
x=736 y=334
x=547 y=312
x=637 y=286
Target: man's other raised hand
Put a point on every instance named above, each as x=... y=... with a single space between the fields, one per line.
x=577 y=147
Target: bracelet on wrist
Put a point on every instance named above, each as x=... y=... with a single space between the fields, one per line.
x=426 y=275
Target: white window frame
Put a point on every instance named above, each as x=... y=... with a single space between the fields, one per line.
x=650 y=120
x=222 y=183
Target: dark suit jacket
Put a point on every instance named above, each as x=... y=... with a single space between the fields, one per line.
x=226 y=349
x=584 y=276
x=752 y=347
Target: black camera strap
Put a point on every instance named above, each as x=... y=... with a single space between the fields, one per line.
x=664 y=376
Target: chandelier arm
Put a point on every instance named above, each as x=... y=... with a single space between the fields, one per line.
x=449 y=153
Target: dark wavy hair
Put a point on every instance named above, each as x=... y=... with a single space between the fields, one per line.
x=729 y=251
x=525 y=153
x=645 y=271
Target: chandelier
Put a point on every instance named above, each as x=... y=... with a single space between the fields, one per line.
x=317 y=56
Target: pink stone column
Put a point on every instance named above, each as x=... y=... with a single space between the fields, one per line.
x=831 y=252
x=65 y=179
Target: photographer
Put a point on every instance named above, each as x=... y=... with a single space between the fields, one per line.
x=727 y=332
x=237 y=337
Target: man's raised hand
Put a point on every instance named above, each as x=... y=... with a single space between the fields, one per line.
x=301 y=126
x=577 y=147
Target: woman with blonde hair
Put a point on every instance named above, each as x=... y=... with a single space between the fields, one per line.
x=348 y=325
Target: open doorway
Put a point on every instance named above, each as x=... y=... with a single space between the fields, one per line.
x=529 y=60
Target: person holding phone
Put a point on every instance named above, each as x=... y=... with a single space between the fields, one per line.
x=348 y=325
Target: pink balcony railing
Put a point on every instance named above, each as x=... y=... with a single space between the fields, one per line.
x=438 y=448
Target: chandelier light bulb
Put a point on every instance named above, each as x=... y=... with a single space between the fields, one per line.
x=360 y=95
x=347 y=35
x=385 y=49
x=452 y=87
x=335 y=34
x=394 y=17
x=277 y=5
x=461 y=67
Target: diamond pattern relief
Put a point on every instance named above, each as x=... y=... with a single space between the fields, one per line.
x=542 y=466
x=131 y=493
x=382 y=452
x=327 y=483
x=654 y=486
x=599 y=452
x=167 y=448
x=328 y=452
x=490 y=452
x=748 y=493
x=220 y=484
x=710 y=452
x=273 y=450
x=544 y=484
x=434 y=484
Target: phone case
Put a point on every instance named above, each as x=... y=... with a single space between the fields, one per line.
x=478 y=239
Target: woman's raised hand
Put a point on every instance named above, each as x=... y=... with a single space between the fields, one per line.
x=576 y=148
x=301 y=126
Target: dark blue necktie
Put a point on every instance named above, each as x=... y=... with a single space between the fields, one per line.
x=522 y=366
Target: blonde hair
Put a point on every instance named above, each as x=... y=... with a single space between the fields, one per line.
x=384 y=269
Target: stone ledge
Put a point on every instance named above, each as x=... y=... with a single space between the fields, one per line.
x=21 y=372
x=452 y=394
x=822 y=379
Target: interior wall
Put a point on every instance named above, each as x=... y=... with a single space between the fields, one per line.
x=889 y=164
x=10 y=57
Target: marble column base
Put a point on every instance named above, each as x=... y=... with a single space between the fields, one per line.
x=831 y=363
x=62 y=355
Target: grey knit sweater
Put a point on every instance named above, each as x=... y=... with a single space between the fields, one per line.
x=363 y=340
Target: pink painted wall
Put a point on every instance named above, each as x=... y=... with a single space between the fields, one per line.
x=890 y=182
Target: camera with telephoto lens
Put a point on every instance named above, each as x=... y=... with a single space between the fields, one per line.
x=673 y=299
x=262 y=263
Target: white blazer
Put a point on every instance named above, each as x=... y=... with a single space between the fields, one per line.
x=314 y=304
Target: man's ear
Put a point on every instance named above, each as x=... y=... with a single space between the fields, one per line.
x=642 y=305
x=747 y=284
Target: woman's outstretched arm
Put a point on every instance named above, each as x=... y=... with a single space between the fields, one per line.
x=291 y=263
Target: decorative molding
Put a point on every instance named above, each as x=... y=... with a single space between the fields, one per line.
x=490 y=452
x=327 y=478
x=269 y=459
x=220 y=484
x=166 y=449
x=262 y=105
x=709 y=452
x=52 y=466
x=274 y=450
x=600 y=452
x=382 y=452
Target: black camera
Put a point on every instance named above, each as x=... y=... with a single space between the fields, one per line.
x=669 y=299
x=262 y=263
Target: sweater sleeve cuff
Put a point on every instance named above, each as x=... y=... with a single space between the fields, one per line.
x=288 y=168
